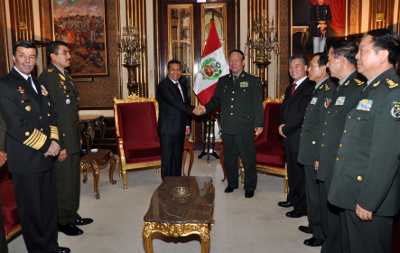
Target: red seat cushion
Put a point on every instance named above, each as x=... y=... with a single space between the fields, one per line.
x=142 y=151
x=270 y=153
x=10 y=214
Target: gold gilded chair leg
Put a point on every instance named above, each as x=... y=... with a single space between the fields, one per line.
x=95 y=168
x=112 y=168
x=147 y=235
x=124 y=177
x=120 y=167
x=205 y=239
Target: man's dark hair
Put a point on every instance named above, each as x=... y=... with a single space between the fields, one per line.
x=345 y=48
x=174 y=62
x=25 y=44
x=385 y=39
x=238 y=51
x=323 y=59
x=298 y=56
x=52 y=48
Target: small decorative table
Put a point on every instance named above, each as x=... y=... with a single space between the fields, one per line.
x=94 y=160
x=181 y=206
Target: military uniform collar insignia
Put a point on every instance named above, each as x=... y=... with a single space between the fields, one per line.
x=347 y=83
x=376 y=84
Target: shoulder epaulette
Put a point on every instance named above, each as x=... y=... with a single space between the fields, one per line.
x=253 y=74
x=358 y=81
x=223 y=76
x=50 y=70
x=327 y=87
x=391 y=83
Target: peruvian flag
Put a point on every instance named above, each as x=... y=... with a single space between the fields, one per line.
x=212 y=66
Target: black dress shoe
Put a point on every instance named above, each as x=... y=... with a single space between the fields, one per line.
x=285 y=204
x=70 y=229
x=249 y=194
x=62 y=250
x=294 y=214
x=229 y=189
x=313 y=242
x=305 y=229
x=83 y=221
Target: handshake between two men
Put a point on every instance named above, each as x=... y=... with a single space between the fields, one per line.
x=199 y=110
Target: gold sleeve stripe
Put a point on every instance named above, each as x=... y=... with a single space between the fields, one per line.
x=36 y=140
x=53 y=132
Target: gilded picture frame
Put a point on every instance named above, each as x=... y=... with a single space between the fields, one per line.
x=82 y=26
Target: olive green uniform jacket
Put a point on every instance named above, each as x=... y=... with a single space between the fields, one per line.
x=366 y=169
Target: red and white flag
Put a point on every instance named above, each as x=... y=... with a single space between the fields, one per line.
x=212 y=66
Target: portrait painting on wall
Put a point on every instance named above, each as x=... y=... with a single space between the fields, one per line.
x=316 y=24
x=81 y=24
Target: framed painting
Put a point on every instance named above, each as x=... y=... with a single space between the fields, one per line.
x=82 y=25
x=316 y=24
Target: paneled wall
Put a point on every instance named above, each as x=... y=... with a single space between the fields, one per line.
x=381 y=7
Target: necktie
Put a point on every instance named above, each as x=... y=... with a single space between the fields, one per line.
x=293 y=88
x=235 y=79
x=29 y=80
x=176 y=83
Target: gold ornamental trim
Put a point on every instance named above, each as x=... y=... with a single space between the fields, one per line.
x=36 y=140
x=274 y=100
x=133 y=98
x=54 y=133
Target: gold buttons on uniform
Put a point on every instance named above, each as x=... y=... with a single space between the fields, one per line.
x=329 y=112
x=323 y=134
x=358 y=118
x=301 y=134
x=48 y=114
x=41 y=129
x=313 y=142
x=26 y=133
x=28 y=108
x=248 y=117
x=337 y=158
x=301 y=125
x=336 y=111
x=63 y=134
x=233 y=92
x=232 y=99
x=344 y=131
x=40 y=117
x=325 y=123
x=231 y=106
x=359 y=178
x=349 y=117
x=67 y=96
x=231 y=113
x=48 y=103
x=340 y=145
x=244 y=90
x=322 y=145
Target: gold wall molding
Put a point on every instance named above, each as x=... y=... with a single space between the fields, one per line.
x=136 y=14
x=377 y=7
x=21 y=11
x=4 y=60
x=283 y=22
x=355 y=7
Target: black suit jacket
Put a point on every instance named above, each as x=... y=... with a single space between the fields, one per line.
x=174 y=114
x=31 y=123
x=292 y=113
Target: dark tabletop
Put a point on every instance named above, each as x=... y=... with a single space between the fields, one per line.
x=196 y=208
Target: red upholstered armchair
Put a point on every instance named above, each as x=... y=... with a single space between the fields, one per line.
x=138 y=144
x=269 y=151
x=10 y=214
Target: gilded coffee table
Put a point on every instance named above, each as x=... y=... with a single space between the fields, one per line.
x=181 y=206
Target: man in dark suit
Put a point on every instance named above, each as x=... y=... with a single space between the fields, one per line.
x=174 y=119
x=320 y=20
x=342 y=65
x=65 y=96
x=32 y=142
x=311 y=139
x=366 y=179
x=290 y=119
x=240 y=96
x=3 y=159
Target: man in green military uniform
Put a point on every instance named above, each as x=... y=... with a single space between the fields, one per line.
x=310 y=139
x=3 y=159
x=65 y=95
x=342 y=65
x=366 y=179
x=240 y=96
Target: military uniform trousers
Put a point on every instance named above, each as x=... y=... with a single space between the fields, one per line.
x=313 y=201
x=330 y=219
x=361 y=239
x=36 y=198
x=242 y=144
x=68 y=188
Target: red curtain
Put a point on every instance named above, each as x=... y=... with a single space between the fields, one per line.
x=338 y=11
